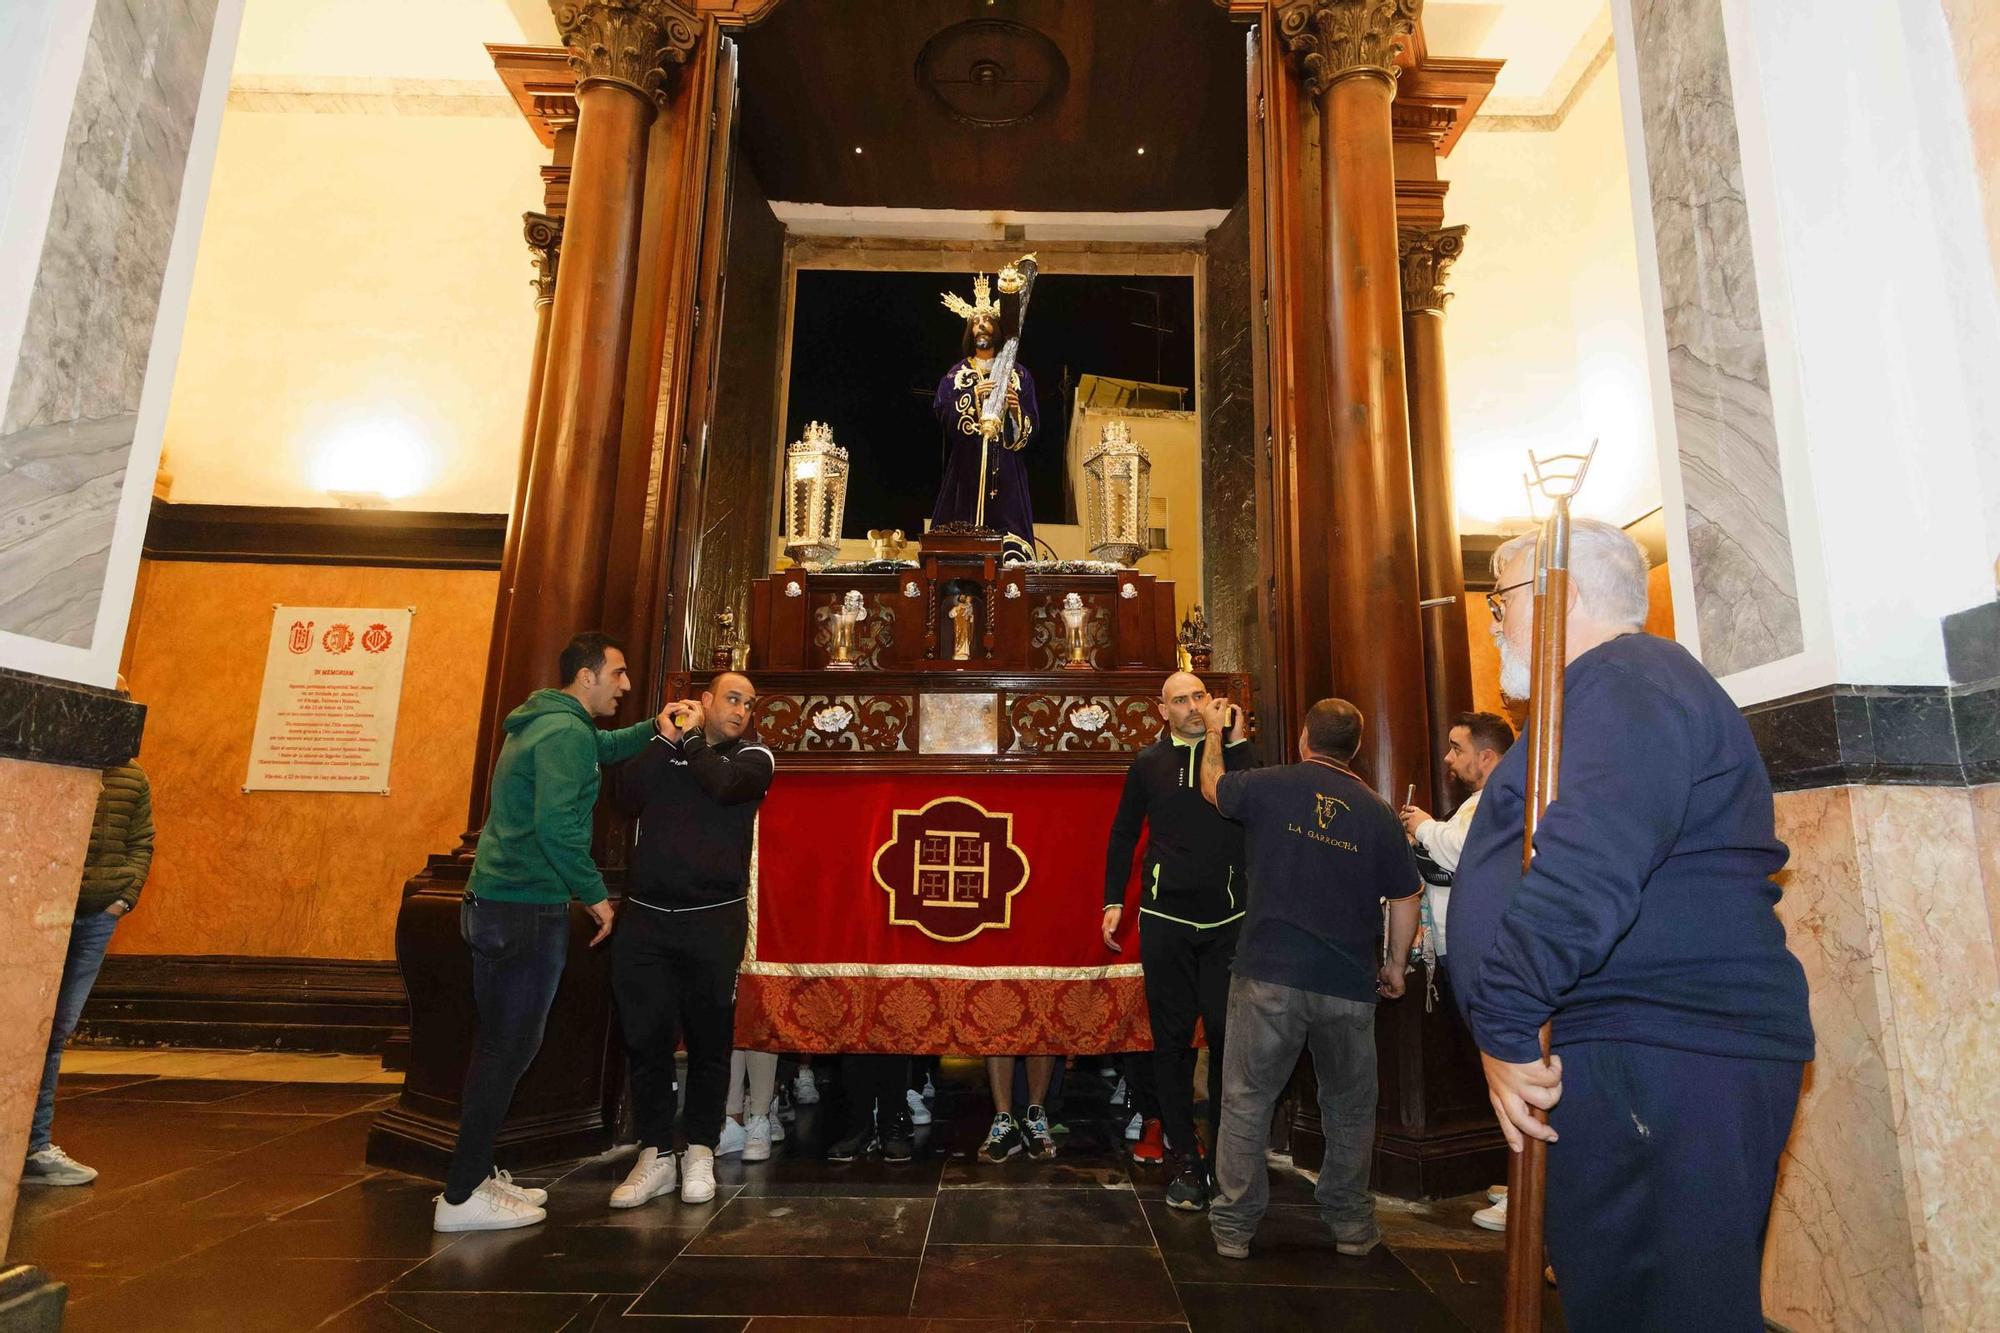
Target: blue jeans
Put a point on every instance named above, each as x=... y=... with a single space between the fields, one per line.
x=1268 y=1025
x=88 y=939
x=518 y=954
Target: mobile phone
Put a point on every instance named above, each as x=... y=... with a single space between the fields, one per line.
x=1410 y=796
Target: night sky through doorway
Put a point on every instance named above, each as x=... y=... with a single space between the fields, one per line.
x=868 y=349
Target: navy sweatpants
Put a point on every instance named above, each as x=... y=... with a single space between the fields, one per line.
x=1660 y=1185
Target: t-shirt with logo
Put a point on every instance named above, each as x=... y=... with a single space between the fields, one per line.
x=1324 y=850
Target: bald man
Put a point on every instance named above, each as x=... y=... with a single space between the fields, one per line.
x=1191 y=899
x=680 y=940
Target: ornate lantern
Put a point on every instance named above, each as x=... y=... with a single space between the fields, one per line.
x=815 y=495
x=1117 y=496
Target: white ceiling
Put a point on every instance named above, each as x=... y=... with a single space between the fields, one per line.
x=1546 y=44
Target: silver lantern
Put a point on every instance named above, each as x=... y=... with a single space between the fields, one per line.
x=815 y=496
x=1117 y=496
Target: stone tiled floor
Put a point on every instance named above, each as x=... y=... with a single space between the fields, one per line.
x=230 y=1203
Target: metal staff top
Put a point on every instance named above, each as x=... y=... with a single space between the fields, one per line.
x=1018 y=276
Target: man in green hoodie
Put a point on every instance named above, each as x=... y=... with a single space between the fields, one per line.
x=533 y=857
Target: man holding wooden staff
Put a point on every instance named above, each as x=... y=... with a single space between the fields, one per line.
x=1644 y=933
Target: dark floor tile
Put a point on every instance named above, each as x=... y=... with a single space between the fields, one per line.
x=476 y=1312
x=381 y=1217
x=884 y=1324
x=200 y=1091
x=1021 y=1172
x=1039 y=1217
x=205 y=1294
x=545 y=1258
x=322 y=1099
x=1288 y=1187
x=1045 y=1282
x=118 y=1132
x=1478 y=1294
x=1249 y=1309
x=71 y=1086
x=810 y=1177
x=1292 y=1248
x=721 y=1285
x=335 y=1147
x=827 y=1227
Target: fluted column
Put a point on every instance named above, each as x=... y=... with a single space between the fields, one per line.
x=1345 y=51
x=624 y=52
x=544 y=236
x=1427 y=254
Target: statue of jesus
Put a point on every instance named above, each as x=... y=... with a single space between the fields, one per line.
x=957 y=403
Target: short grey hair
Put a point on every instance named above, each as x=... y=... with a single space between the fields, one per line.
x=1608 y=567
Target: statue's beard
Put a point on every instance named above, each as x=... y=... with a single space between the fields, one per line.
x=1515 y=681
x=983 y=343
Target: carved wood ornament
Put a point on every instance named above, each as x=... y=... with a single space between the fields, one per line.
x=1427 y=254
x=632 y=43
x=1334 y=39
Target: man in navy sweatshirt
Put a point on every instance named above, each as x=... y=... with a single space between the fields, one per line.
x=1645 y=934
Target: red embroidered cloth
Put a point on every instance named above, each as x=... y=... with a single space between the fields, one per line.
x=931 y=913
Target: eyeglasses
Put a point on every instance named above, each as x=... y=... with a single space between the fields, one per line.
x=1496 y=601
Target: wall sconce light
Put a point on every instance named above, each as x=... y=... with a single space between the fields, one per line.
x=369 y=462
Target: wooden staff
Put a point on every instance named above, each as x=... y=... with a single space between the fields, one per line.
x=1527 y=1170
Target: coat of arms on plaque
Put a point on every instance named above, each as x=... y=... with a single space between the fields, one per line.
x=951 y=869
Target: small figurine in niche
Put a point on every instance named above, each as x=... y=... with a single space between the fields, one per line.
x=723 y=656
x=846 y=624
x=961 y=628
x=1074 y=618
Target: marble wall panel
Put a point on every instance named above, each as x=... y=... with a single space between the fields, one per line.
x=1746 y=590
x=1920 y=858
x=1839 y=1254
x=68 y=421
x=45 y=813
x=293 y=874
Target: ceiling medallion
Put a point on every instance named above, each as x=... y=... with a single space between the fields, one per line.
x=992 y=72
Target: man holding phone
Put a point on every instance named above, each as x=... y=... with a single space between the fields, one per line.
x=1192 y=892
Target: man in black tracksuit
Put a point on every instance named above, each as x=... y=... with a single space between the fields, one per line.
x=1191 y=889
x=680 y=939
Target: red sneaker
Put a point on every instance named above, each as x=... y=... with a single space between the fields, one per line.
x=1152 y=1144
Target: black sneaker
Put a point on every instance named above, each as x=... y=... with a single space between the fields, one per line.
x=1188 y=1190
x=899 y=1138
x=858 y=1144
x=1003 y=1140
x=1041 y=1143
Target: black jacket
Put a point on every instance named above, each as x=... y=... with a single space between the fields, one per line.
x=1193 y=872
x=697 y=809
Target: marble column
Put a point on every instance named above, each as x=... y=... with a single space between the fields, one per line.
x=1346 y=54
x=56 y=738
x=1427 y=254
x=544 y=237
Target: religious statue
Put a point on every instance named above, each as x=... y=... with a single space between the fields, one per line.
x=1196 y=642
x=847 y=620
x=1074 y=618
x=976 y=442
x=961 y=628
x=723 y=656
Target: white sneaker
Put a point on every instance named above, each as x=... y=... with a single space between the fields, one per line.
x=756 y=1139
x=732 y=1139
x=534 y=1198
x=781 y=1107
x=487 y=1209
x=53 y=1166
x=919 y=1113
x=930 y=1088
x=1135 y=1128
x=654 y=1174
x=1120 y=1093
x=804 y=1090
x=698 y=1175
x=1494 y=1218
x=1496 y=1194
x=777 y=1127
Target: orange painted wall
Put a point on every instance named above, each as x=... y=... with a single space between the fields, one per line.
x=1486 y=657
x=292 y=874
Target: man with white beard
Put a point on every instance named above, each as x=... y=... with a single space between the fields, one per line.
x=1645 y=934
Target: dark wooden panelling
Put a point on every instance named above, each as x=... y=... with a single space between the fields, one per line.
x=233 y=1002
x=277 y=535
x=1229 y=453
x=823 y=77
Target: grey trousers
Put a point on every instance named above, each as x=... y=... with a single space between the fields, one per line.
x=1268 y=1026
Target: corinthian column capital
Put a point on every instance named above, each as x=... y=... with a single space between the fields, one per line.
x=1335 y=39
x=544 y=234
x=1427 y=254
x=633 y=43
